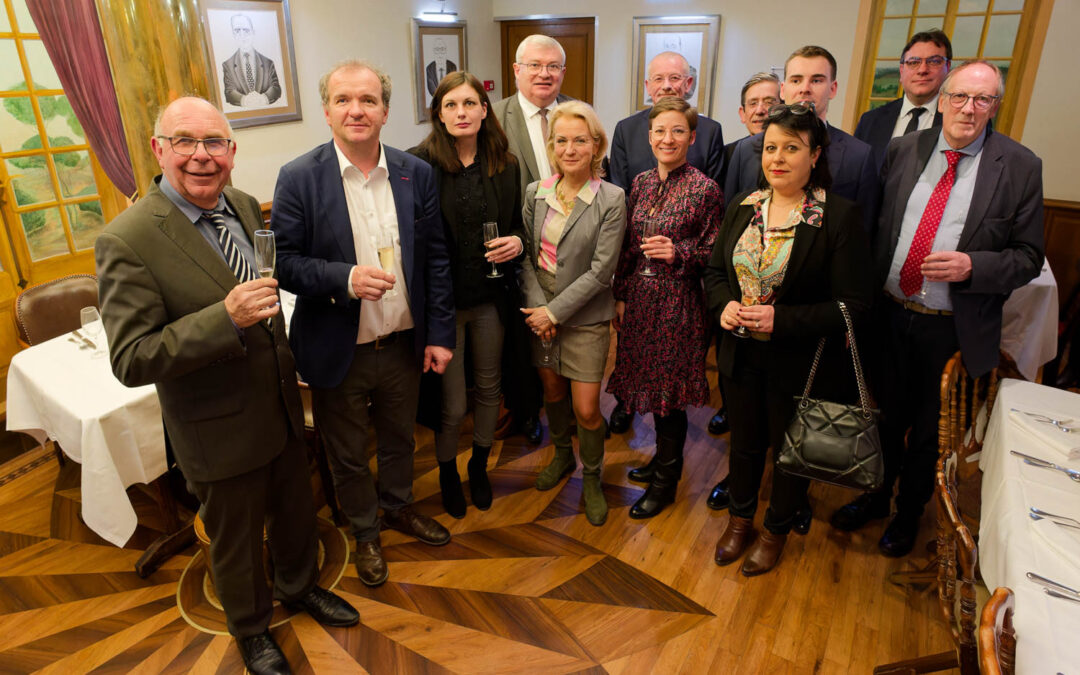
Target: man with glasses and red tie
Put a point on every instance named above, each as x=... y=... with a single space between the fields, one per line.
x=924 y=63
x=961 y=227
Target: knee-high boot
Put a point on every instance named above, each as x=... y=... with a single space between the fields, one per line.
x=591 y=444
x=563 y=464
x=665 y=479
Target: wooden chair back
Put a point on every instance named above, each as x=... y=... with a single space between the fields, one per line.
x=997 y=639
x=957 y=556
x=51 y=309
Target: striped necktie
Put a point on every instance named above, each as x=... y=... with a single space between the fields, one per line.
x=233 y=256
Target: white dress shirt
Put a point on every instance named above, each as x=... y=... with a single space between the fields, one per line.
x=371 y=210
x=926 y=120
x=536 y=134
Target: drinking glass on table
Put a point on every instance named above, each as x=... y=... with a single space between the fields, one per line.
x=90 y=319
x=386 y=257
x=491 y=232
x=650 y=228
x=265 y=253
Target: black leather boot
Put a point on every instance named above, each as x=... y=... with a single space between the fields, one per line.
x=453 y=497
x=644 y=473
x=479 y=485
x=665 y=480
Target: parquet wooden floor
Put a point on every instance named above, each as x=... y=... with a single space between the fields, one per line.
x=526 y=587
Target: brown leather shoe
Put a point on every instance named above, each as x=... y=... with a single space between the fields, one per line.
x=427 y=530
x=764 y=554
x=738 y=535
x=370 y=565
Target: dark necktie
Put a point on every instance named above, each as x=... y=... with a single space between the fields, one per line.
x=913 y=123
x=247 y=69
x=233 y=256
x=910 y=277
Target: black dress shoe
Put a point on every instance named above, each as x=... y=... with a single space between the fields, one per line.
x=899 y=537
x=427 y=530
x=620 y=420
x=862 y=510
x=532 y=429
x=803 y=518
x=326 y=608
x=719 y=499
x=262 y=656
x=370 y=564
x=719 y=424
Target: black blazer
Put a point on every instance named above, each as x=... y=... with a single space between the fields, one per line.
x=828 y=263
x=876 y=127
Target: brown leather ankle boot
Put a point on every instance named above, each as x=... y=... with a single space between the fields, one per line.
x=736 y=537
x=764 y=554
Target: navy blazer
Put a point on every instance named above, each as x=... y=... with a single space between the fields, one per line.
x=631 y=152
x=851 y=163
x=315 y=255
x=1003 y=233
x=876 y=127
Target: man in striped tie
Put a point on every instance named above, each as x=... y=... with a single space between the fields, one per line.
x=960 y=228
x=183 y=311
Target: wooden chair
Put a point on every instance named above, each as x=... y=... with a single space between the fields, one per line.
x=997 y=639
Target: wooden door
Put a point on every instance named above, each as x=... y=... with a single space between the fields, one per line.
x=576 y=35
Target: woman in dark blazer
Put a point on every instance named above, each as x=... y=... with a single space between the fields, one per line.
x=478 y=182
x=784 y=257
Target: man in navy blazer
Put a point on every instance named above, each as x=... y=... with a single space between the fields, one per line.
x=810 y=75
x=946 y=260
x=924 y=63
x=361 y=333
x=631 y=152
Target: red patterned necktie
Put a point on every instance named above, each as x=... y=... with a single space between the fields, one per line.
x=911 y=277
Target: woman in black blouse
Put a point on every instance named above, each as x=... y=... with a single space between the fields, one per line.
x=478 y=182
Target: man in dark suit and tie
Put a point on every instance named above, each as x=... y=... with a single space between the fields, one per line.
x=249 y=78
x=961 y=228
x=184 y=310
x=810 y=75
x=360 y=242
x=924 y=63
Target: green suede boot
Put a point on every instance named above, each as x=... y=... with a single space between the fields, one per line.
x=563 y=464
x=591 y=443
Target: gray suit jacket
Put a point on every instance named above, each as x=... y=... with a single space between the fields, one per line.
x=587 y=253
x=229 y=400
x=512 y=118
x=234 y=79
x=1003 y=233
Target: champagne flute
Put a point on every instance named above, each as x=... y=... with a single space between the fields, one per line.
x=548 y=358
x=90 y=319
x=386 y=257
x=650 y=228
x=491 y=231
x=743 y=331
x=265 y=253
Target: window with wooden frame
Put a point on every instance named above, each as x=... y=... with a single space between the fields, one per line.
x=1002 y=31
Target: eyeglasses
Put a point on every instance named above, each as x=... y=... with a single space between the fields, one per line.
x=182 y=145
x=551 y=68
x=674 y=79
x=932 y=61
x=677 y=132
x=798 y=108
x=980 y=101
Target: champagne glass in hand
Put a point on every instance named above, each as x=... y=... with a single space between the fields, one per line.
x=386 y=257
x=650 y=228
x=742 y=331
x=491 y=231
x=548 y=358
x=90 y=319
x=265 y=253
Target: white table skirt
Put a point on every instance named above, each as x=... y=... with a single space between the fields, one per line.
x=1029 y=323
x=55 y=390
x=1011 y=544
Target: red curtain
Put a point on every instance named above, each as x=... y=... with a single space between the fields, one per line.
x=71 y=34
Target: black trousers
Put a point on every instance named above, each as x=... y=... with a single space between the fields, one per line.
x=759 y=412
x=234 y=511
x=915 y=349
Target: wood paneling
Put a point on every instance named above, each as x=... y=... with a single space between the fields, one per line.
x=1061 y=229
x=577 y=36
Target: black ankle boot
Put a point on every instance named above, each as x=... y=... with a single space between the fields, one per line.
x=453 y=497
x=479 y=485
x=665 y=479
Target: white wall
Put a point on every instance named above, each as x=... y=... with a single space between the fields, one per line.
x=328 y=31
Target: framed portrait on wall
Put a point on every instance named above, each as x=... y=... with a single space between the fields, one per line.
x=251 y=52
x=438 y=48
x=696 y=38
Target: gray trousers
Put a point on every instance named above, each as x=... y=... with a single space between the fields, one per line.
x=390 y=379
x=485 y=343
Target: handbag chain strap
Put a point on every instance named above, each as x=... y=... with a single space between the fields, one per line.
x=864 y=393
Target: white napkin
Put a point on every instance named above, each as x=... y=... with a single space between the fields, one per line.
x=1065 y=541
x=1047 y=434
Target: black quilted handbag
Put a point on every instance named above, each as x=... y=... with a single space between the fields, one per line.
x=832 y=442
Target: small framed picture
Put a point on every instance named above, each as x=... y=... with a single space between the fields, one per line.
x=251 y=52
x=696 y=38
x=438 y=48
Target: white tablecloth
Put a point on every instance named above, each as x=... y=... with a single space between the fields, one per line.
x=1029 y=323
x=55 y=390
x=1011 y=544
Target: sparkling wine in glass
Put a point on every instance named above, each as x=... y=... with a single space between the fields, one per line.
x=491 y=231
x=90 y=319
x=743 y=331
x=386 y=257
x=650 y=228
x=265 y=253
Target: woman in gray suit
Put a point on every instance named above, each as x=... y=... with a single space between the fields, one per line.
x=574 y=226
